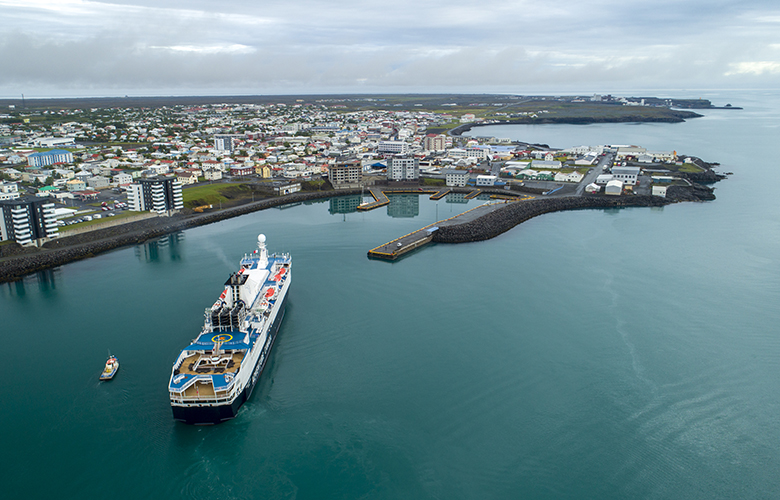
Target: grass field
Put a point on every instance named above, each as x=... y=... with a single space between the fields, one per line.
x=690 y=168
x=214 y=194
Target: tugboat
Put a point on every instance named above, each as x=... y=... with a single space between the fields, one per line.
x=215 y=374
x=112 y=366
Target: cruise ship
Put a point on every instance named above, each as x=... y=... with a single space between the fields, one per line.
x=215 y=374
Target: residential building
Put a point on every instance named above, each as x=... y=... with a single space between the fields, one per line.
x=75 y=185
x=9 y=191
x=50 y=158
x=187 y=178
x=403 y=168
x=28 y=221
x=159 y=195
x=345 y=174
x=456 y=178
x=212 y=174
x=393 y=147
x=241 y=170
x=122 y=179
x=98 y=182
x=223 y=142
x=486 y=180
x=435 y=142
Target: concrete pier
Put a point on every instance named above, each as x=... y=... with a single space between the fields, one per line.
x=394 y=249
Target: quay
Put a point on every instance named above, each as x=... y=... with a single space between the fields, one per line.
x=398 y=247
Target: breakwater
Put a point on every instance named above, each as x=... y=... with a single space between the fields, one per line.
x=508 y=216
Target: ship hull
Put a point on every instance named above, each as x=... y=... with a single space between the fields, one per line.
x=215 y=414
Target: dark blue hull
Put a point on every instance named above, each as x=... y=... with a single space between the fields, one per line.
x=215 y=414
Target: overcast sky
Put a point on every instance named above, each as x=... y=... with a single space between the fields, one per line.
x=180 y=47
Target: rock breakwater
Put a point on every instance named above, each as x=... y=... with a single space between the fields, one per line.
x=502 y=220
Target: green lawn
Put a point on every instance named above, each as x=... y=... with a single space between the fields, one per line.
x=207 y=194
x=690 y=168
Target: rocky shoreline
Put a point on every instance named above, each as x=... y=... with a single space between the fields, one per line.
x=18 y=261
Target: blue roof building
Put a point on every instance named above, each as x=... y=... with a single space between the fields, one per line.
x=50 y=158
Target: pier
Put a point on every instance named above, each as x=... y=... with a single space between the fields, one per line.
x=381 y=199
x=398 y=247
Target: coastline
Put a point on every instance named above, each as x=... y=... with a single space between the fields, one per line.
x=680 y=116
x=72 y=248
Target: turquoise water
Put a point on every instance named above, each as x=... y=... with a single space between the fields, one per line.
x=588 y=354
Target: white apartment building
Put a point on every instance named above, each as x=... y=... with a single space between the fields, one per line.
x=456 y=178
x=155 y=195
x=402 y=168
x=393 y=147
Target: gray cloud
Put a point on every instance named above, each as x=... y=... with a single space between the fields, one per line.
x=86 y=47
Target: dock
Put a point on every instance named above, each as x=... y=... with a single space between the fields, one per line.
x=398 y=247
x=381 y=199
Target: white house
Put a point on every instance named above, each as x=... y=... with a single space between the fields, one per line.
x=212 y=174
x=570 y=177
x=456 y=178
x=486 y=180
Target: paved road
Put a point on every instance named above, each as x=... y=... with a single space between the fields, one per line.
x=593 y=173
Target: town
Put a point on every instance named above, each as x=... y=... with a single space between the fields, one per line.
x=67 y=171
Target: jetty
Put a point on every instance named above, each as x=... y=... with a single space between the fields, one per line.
x=398 y=247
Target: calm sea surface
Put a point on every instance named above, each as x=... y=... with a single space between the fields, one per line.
x=589 y=354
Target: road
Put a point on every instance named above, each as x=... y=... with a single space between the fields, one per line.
x=593 y=173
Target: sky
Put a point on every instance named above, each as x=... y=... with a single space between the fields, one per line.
x=54 y=48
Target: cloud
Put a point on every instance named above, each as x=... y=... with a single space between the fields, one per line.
x=755 y=68
x=313 y=46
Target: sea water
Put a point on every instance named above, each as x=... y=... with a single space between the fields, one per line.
x=590 y=354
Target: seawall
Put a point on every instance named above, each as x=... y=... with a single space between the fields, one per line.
x=502 y=220
x=79 y=246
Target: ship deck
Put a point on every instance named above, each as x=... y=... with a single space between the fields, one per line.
x=200 y=391
x=229 y=364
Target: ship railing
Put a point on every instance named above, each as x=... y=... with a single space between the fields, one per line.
x=205 y=398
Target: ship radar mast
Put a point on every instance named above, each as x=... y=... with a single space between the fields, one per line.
x=261 y=250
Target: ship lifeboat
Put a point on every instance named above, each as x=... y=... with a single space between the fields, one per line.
x=270 y=293
x=280 y=274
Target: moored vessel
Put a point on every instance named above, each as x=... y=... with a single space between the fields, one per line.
x=216 y=373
